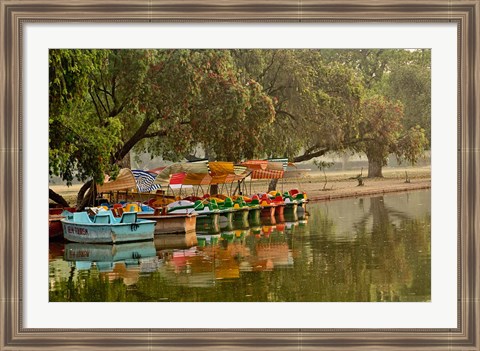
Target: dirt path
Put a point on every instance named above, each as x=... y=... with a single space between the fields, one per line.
x=340 y=186
x=342 y=189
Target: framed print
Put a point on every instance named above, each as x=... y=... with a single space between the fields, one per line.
x=430 y=288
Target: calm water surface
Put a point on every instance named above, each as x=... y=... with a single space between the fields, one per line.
x=364 y=249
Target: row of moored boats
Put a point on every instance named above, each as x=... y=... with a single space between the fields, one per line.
x=116 y=221
x=126 y=222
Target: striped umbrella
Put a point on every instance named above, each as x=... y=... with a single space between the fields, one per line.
x=145 y=181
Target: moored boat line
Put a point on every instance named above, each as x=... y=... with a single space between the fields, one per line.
x=181 y=216
x=176 y=214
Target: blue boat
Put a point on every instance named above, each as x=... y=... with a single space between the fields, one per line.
x=105 y=228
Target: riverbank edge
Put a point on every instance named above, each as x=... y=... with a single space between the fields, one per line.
x=354 y=193
x=339 y=188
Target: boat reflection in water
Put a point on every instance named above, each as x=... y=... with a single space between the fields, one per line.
x=224 y=256
x=175 y=241
x=352 y=250
x=125 y=261
x=217 y=251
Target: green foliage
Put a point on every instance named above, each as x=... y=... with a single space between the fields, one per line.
x=397 y=75
x=410 y=84
x=236 y=104
x=380 y=127
x=198 y=97
x=411 y=145
x=382 y=132
x=79 y=146
x=315 y=100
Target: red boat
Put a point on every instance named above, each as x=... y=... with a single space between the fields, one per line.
x=55 y=215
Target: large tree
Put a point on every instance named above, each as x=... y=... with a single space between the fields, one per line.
x=161 y=101
x=382 y=132
x=397 y=75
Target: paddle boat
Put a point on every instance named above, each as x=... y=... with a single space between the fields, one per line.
x=300 y=197
x=165 y=223
x=206 y=211
x=225 y=207
x=291 y=205
x=277 y=199
x=172 y=223
x=254 y=208
x=268 y=206
x=105 y=228
x=55 y=215
x=241 y=210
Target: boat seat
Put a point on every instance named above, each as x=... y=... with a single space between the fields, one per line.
x=255 y=201
x=132 y=208
x=104 y=217
x=199 y=206
x=228 y=203
x=239 y=203
x=81 y=217
x=278 y=198
x=213 y=204
x=129 y=217
x=299 y=196
x=117 y=210
x=293 y=192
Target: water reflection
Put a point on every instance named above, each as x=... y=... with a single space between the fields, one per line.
x=369 y=249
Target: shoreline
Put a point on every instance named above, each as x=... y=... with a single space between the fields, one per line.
x=361 y=191
x=338 y=185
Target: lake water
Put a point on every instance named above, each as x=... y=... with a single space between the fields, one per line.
x=364 y=249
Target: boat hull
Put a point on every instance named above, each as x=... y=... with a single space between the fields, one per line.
x=254 y=215
x=210 y=223
x=55 y=229
x=172 y=223
x=291 y=208
x=226 y=215
x=268 y=211
x=279 y=209
x=241 y=215
x=106 y=233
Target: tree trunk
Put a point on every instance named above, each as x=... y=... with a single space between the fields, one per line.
x=129 y=144
x=309 y=155
x=84 y=196
x=52 y=195
x=126 y=161
x=272 y=185
x=375 y=168
x=214 y=189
